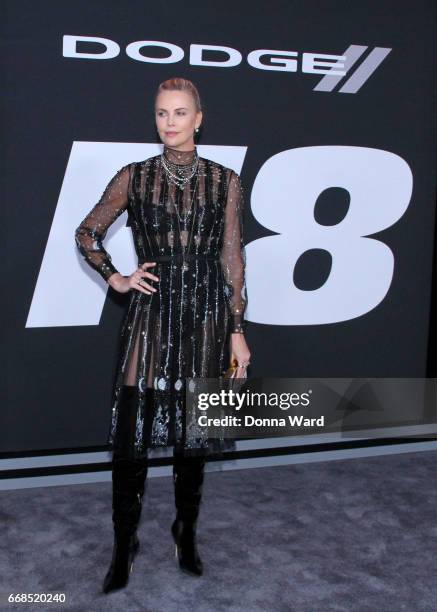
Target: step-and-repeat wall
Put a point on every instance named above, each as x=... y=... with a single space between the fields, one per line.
x=326 y=112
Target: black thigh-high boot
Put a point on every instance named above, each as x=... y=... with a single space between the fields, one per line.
x=128 y=485
x=188 y=476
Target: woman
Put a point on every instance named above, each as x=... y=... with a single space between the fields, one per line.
x=185 y=316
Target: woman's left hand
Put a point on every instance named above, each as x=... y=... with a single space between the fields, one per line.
x=240 y=352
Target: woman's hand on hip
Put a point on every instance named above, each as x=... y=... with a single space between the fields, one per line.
x=123 y=284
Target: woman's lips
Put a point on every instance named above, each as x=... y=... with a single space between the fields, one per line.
x=170 y=133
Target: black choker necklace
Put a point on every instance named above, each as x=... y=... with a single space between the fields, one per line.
x=175 y=156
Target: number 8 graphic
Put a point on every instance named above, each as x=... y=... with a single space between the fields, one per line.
x=283 y=199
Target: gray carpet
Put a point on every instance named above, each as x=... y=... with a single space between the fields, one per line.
x=342 y=535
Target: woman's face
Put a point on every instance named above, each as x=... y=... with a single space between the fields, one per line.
x=176 y=119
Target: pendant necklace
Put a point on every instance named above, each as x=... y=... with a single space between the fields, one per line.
x=180 y=175
x=185 y=249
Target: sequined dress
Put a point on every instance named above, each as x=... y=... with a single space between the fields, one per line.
x=183 y=329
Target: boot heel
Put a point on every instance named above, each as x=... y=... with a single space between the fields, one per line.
x=123 y=557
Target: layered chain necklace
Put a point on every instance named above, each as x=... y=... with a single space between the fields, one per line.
x=180 y=174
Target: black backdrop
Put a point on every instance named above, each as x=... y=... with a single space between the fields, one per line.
x=59 y=376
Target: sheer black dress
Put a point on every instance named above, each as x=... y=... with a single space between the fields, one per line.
x=183 y=329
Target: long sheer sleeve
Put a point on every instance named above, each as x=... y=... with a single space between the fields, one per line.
x=232 y=256
x=92 y=230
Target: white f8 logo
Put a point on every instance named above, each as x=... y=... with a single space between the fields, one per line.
x=283 y=200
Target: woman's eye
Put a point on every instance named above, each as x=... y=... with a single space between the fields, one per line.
x=160 y=113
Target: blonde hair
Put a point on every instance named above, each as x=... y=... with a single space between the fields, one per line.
x=179 y=84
